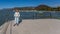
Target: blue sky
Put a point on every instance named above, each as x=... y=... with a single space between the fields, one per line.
x=24 y=3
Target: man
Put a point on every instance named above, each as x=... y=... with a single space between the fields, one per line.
x=16 y=15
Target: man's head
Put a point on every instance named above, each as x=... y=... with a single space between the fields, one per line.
x=16 y=10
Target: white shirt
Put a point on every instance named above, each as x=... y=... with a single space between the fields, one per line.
x=16 y=14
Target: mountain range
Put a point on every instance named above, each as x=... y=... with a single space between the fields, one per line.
x=38 y=8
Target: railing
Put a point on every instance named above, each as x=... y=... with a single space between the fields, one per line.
x=30 y=15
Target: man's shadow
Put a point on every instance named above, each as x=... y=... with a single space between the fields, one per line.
x=20 y=21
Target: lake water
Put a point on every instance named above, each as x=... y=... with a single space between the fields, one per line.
x=9 y=15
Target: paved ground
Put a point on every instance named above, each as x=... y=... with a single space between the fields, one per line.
x=4 y=28
x=38 y=26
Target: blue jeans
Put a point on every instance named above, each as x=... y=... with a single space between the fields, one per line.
x=16 y=20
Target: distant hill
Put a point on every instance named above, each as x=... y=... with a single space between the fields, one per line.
x=38 y=8
x=25 y=8
x=43 y=8
x=56 y=9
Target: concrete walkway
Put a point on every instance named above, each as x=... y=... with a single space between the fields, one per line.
x=4 y=28
x=38 y=26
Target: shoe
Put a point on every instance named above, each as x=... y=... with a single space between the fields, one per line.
x=14 y=24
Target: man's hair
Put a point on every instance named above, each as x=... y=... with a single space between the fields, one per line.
x=16 y=10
